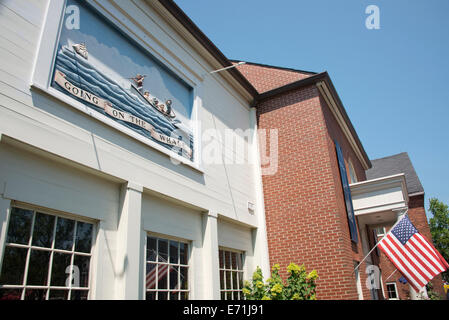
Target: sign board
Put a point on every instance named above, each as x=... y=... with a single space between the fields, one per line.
x=98 y=66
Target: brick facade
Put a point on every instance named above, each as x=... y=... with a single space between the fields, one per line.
x=305 y=210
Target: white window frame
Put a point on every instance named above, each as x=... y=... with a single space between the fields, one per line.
x=30 y=247
x=188 y=265
x=239 y=271
x=44 y=64
x=395 y=289
x=352 y=173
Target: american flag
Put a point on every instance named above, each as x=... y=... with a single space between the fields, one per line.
x=153 y=277
x=412 y=254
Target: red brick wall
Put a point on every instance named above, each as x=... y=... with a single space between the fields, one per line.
x=417 y=214
x=305 y=211
x=334 y=132
x=265 y=78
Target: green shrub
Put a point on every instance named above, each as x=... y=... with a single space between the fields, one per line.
x=299 y=285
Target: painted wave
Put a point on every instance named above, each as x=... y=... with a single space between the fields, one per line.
x=84 y=75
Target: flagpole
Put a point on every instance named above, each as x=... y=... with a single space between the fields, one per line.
x=403 y=215
x=391 y=274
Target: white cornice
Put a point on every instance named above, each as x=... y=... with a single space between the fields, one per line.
x=328 y=97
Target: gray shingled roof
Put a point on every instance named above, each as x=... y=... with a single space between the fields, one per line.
x=398 y=163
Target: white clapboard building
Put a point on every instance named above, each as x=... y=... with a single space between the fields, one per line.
x=116 y=180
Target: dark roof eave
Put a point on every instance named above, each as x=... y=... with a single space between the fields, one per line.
x=323 y=76
x=187 y=23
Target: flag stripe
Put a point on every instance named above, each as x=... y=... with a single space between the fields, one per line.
x=151 y=278
x=383 y=245
x=428 y=247
x=429 y=258
x=440 y=257
x=404 y=261
x=422 y=259
x=408 y=256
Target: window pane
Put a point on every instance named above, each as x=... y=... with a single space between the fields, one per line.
x=38 y=267
x=162 y=295
x=162 y=276
x=162 y=250
x=19 y=228
x=64 y=234
x=183 y=252
x=240 y=261
x=35 y=294
x=220 y=259
x=228 y=279
x=151 y=276
x=10 y=294
x=227 y=260
x=184 y=277
x=150 y=295
x=58 y=273
x=13 y=266
x=43 y=230
x=222 y=282
x=174 y=295
x=240 y=275
x=83 y=263
x=79 y=294
x=174 y=272
x=83 y=237
x=151 y=249
x=174 y=252
x=184 y=296
x=59 y=294
x=234 y=280
x=233 y=260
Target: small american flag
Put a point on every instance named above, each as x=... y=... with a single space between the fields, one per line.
x=152 y=279
x=412 y=254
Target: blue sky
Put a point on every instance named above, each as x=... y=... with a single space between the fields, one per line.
x=392 y=81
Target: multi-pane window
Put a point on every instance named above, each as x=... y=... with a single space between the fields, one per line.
x=167 y=269
x=392 y=291
x=231 y=274
x=46 y=257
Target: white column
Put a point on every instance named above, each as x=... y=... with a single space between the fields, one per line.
x=210 y=264
x=130 y=247
x=261 y=256
x=4 y=211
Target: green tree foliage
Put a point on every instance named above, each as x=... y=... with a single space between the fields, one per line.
x=439 y=228
x=299 y=285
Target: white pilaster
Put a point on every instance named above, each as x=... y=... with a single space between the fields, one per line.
x=130 y=247
x=210 y=264
x=261 y=255
x=4 y=213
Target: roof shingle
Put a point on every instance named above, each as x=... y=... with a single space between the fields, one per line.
x=395 y=164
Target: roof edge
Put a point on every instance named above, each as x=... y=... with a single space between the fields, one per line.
x=275 y=67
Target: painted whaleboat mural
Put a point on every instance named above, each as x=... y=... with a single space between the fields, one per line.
x=104 y=83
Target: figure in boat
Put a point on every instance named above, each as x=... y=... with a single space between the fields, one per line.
x=166 y=109
x=81 y=49
x=138 y=81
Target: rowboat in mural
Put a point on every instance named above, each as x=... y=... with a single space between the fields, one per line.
x=166 y=109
